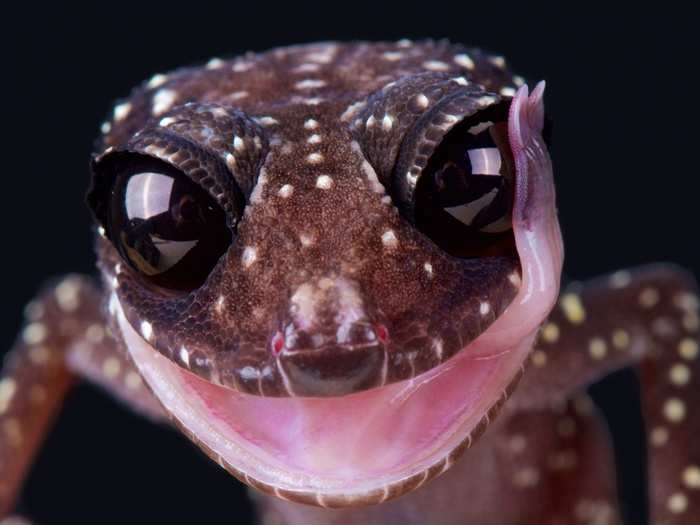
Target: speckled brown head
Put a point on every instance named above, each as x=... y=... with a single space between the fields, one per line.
x=317 y=298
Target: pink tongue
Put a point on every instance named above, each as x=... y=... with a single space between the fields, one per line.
x=369 y=434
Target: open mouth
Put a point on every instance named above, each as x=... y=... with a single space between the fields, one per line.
x=373 y=445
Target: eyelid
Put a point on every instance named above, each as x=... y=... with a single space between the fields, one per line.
x=421 y=143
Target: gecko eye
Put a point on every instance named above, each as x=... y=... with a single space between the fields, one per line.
x=464 y=195
x=166 y=226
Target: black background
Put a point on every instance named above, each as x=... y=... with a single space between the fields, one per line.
x=618 y=87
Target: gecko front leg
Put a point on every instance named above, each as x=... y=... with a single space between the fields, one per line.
x=646 y=319
x=65 y=337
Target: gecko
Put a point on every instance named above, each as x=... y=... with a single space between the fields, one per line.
x=335 y=267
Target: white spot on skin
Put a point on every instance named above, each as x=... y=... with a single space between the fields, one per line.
x=250 y=255
x=450 y=119
x=539 y=358
x=314 y=158
x=428 y=269
x=517 y=444
x=8 y=387
x=13 y=432
x=34 y=333
x=484 y=308
x=111 y=367
x=240 y=67
x=573 y=308
x=464 y=61
x=39 y=355
x=68 y=295
x=485 y=101
x=387 y=123
x=371 y=175
x=498 y=61
x=306 y=240
x=691 y=477
x=121 y=111
x=313 y=101
x=620 y=339
x=219 y=305
x=307 y=68
x=461 y=81
x=687 y=301
x=310 y=124
x=256 y=195
x=527 y=477
x=215 y=63
x=437 y=347
x=314 y=139
x=165 y=122
x=597 y=348
x=674 y=410
x=515 y=279
x=238 y=144
x=389 y=239
x=422 y=101
x=688 y=349
x=352 y=110
x=659 y=436
x=286 y=191
x=518 y=80
x=132 y=381
x=435 y=65
x=230 y=161
x=370 y=121
x=679 y=374
x=157 y=80
x=649 y=297
x=184 y=356
x=550 y=333
x=507 y=91
x=322 y=57
x=105 y=128
x=266 y=121
x=392 y=56
x=678 y=503
x=309 y=83
x=238 y=95
x=620 y=279
x=163 y=101
x=146 y=330
x=324 y=182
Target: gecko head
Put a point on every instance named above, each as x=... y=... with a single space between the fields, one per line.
x=332 y=307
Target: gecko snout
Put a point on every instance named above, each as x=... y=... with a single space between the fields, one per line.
x=330 y=343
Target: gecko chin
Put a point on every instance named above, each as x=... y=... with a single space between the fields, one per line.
x=370 y=446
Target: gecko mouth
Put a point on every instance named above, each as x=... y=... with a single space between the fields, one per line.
x=373 y=445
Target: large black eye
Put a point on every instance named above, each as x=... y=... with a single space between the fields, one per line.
x=166 y=226
x=464 y=196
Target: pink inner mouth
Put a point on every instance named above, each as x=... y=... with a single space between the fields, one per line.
x=355 y=445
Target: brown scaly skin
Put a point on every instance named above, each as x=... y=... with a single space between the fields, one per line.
x=546 y=456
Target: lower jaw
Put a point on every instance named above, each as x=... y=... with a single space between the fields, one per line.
x=357 y=449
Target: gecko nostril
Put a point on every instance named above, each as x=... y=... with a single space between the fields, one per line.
x=382 y=333
x=277 y=343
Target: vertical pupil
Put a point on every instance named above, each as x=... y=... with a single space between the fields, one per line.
x=167 y=227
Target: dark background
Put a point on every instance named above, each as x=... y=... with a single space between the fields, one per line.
x=618 y=88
